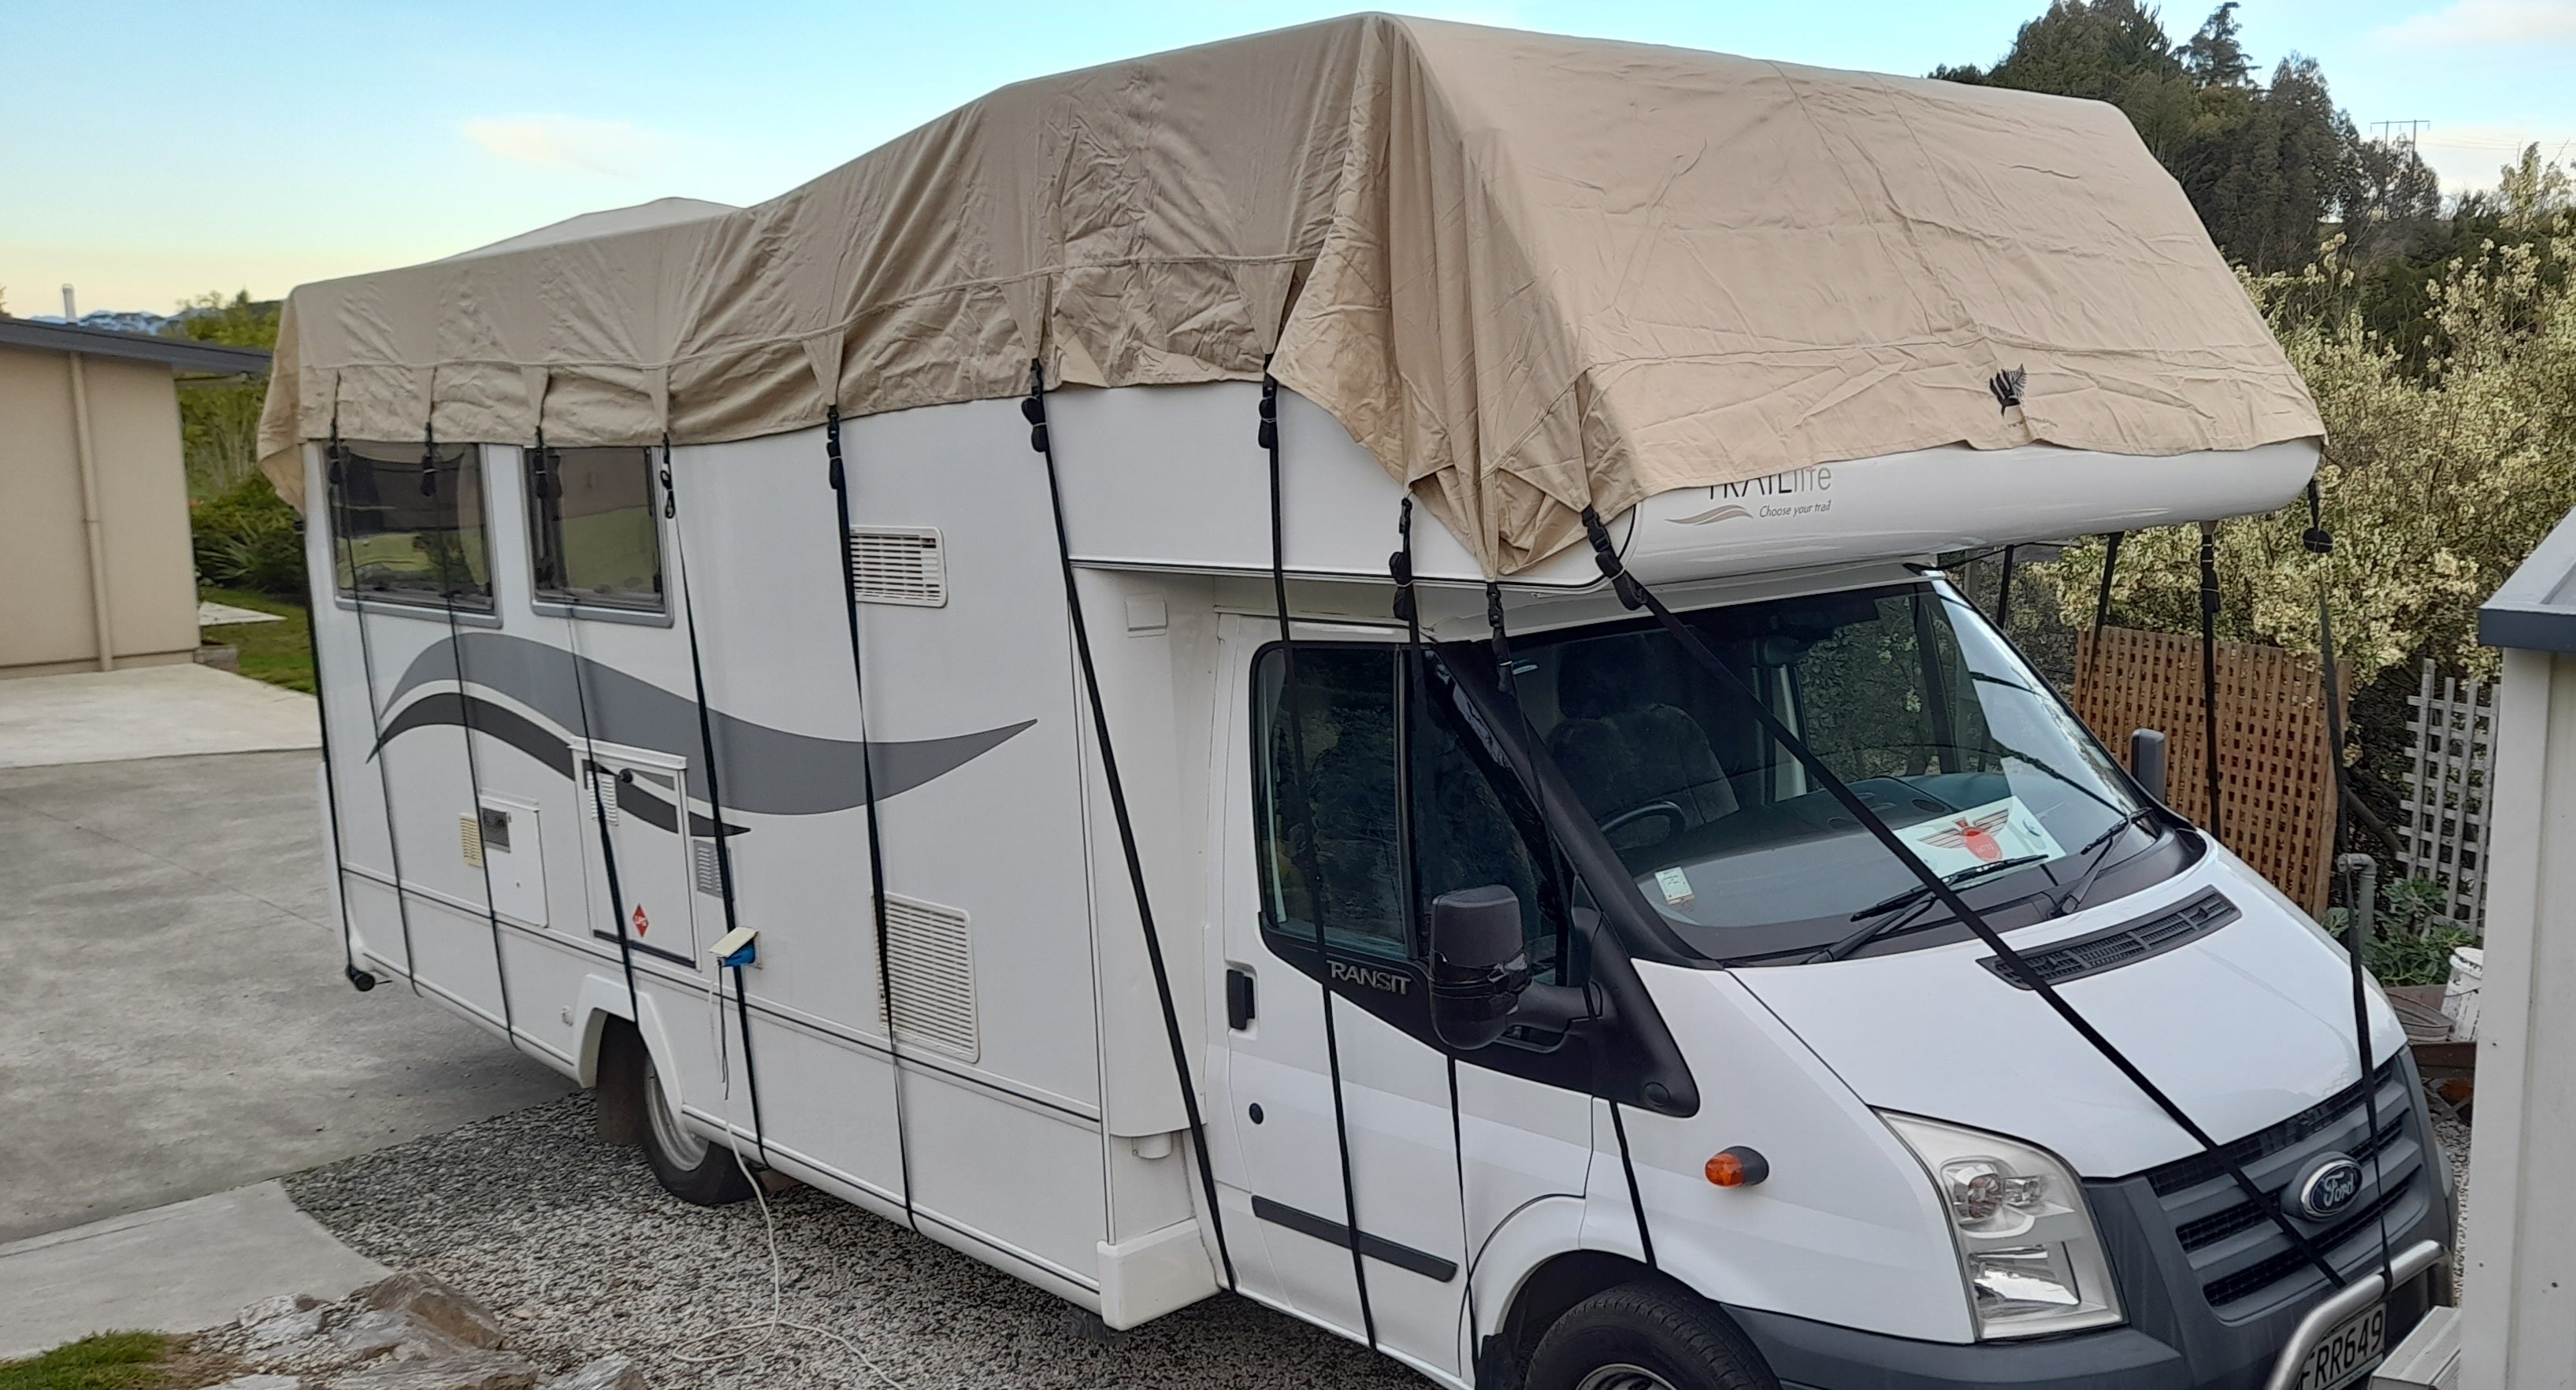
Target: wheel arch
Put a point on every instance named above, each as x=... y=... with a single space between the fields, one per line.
x=1548 y=1292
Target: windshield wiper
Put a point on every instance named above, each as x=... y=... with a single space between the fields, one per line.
x=1917 y=896
x=1953 y=879
x=2099 y=847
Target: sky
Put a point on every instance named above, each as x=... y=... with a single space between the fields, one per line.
x=158 y=151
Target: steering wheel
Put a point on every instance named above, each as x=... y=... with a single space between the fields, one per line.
x=1671 y=813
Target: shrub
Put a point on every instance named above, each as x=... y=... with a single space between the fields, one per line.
x=2411 y=936
x=2441 y=477
x=248 y=538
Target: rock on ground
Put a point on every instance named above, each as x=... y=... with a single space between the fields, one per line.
x=606 y=1373
x=472 y=1370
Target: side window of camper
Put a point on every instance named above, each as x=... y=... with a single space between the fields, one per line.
x=407 y=524
x=1325 y=784
x=594 y=533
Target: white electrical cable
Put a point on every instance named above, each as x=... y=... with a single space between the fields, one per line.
x=776 y=1322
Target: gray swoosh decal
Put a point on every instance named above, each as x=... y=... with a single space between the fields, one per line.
x=765 y=770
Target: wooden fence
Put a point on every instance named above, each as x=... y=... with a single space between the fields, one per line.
x=2276 y=787
x=2444 y=837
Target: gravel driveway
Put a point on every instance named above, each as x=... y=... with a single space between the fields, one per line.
x=584 y=1254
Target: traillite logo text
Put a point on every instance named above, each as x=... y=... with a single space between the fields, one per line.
x=1768 y=495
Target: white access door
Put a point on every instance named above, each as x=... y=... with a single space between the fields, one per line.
x=1277 y=1084
x=644 y=796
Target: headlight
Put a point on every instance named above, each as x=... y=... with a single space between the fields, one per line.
x=2027 y=1248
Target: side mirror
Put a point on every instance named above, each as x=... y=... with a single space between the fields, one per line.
x=1478 y=964
x=2147 y=760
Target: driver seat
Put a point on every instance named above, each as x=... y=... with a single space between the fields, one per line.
x=1624 y=744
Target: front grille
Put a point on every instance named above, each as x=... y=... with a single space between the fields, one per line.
x=2126 y=944
x=2262 y=1143
x=2231 y=1242
x=2263 y=1274
x=2209 y=1230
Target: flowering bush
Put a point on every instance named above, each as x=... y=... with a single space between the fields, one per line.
x=2449 y=459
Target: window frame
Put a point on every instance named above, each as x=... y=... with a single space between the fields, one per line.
x=1376 y=949
x=565 y=603
x=441 y=606
x=1624 y=1052
x=1409 y=701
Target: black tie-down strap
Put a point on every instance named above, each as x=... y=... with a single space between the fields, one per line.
x=1636 y=595
x=1506 y=682
x=360 y=980
x=1033 y=409
x=590 y=774
x=1399 y=567
x=2209 y=606
x=2320 y=543
x=447 y=585
x=715 y=797
x=1267 y=436
x=336 y=478
x=839 y=477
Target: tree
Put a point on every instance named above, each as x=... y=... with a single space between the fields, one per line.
x=2392 y=203
x=2265 y=166
x=2213 y=57
x=219 y=417
x=2529 y=193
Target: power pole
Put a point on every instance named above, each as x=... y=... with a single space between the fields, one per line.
x=2387 y=133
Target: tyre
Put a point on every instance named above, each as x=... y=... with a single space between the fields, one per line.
x=1646 y=1337
x=618 y=1085
x=690 y=1166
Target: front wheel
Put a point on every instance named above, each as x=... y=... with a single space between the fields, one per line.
x=689 y=1166
x=1646 y=1337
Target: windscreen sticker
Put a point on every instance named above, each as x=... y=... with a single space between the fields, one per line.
x=1676 y=886
x=1988 y=834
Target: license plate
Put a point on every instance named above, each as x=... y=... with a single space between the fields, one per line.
x=2349 y=1351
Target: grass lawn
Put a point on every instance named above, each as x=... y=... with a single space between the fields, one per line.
x=273 y=652
x=108 y=1361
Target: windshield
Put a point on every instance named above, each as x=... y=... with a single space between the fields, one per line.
x=1903 y=691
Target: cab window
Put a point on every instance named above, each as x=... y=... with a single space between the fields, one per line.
x=1329 y=838
x=1338 y=727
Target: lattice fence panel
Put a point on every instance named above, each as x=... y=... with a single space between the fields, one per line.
x=2446 y=827
x=2276 y=787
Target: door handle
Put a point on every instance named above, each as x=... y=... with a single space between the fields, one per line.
x=1238 y=999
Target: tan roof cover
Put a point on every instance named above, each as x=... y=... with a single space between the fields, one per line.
x=1527 y=272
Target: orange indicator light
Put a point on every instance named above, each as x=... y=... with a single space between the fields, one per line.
x=1738 y=1167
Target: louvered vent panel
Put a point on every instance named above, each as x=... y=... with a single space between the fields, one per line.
x=898 y=564
x=599 y=800
x=703 y=867
x=469 y=835
x=933 y=968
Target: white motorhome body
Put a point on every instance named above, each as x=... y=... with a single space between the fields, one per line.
x=1025 y=1109
x=1074 y=855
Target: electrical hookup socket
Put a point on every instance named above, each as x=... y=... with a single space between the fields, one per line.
x=740 y=947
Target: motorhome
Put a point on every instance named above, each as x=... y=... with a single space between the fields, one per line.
x=1079 y=683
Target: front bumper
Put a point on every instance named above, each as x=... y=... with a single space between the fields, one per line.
x=1819 y=1356
x=2213 y=1295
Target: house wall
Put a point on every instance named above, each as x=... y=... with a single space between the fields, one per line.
x=143 y=506
x=2518 y=1304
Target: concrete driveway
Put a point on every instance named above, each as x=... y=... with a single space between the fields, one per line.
x=173 y=1021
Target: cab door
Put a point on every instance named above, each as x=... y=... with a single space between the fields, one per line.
x=1316 y=842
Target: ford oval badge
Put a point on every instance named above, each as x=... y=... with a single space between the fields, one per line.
x=2328 y=1188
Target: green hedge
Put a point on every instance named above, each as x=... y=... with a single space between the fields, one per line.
x=248 y=538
